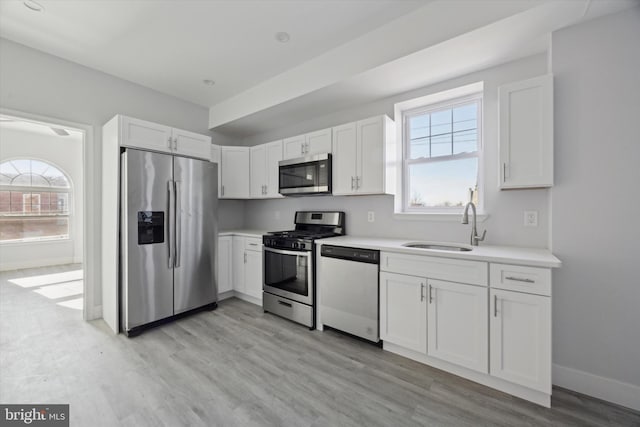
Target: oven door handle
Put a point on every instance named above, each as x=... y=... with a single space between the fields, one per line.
x=285 y=252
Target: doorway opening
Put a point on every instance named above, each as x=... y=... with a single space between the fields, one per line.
x=42 y=214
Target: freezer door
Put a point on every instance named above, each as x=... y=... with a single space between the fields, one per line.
x=147 y=272
x=196 y=183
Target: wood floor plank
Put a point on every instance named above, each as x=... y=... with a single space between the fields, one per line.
x=239 y=366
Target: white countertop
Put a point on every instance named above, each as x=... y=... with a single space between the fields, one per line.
x=242 y=232
x=503 y=254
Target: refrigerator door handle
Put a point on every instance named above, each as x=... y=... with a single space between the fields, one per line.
x=178 y=226
x=170 y=231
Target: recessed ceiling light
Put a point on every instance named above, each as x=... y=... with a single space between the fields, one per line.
x=208 y=82
x=283 y=37
x=33 y=5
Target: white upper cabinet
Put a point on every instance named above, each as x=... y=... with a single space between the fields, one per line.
x=191 y=144
x=308 y=144
x=526 y=133
x=361 y=151
x=216 y=157
x=457 y=324
x=137 y=133
x=235 y=172
x=264 y=170
x=345 y=157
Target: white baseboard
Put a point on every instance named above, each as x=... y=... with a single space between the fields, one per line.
x=247 y=298
x=614 y=391
x=36 y=262
x=94 y=313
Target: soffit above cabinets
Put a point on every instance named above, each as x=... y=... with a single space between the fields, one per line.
x=340 y=53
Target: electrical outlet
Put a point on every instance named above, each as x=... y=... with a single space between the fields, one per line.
x=276 y=214
x=530 y=218
x=371 y=216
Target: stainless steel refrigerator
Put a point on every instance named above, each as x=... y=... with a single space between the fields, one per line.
x=168 y=237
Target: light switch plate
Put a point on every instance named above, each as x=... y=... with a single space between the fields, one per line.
x=530 y=218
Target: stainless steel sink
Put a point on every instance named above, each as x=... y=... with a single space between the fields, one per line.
x=437 y=246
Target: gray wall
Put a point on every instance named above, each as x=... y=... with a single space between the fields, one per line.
x=505 y=208
x=596 y=200
x=38 y=83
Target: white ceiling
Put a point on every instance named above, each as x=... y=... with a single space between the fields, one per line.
x=341 y=53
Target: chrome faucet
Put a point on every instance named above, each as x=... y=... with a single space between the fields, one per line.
x=465 y=220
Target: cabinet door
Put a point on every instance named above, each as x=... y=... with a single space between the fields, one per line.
x=344 y=159
x=253 y=274
x=146 y=135
x=238 y=264
x=216 y=154
x=403 y=311
x=294 y=147
x=274 y=155
x=458 y=331
x=526 y=133
x=520 y=328
x=258 y=171
x=225 y=265
x=235 y=173
x=191 y=144
x=318 y=142
x=370 y=166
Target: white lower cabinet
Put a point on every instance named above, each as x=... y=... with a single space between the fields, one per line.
x=244 y=265
x=483 y=329
x=457 y=324
x=403 y=311
x=253 y=273
x=520 y=327
x=225 y=266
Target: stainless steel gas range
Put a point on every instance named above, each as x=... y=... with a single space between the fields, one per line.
x=289 y=272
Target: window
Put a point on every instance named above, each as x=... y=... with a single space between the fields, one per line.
x=441 y=146
x=34 y=201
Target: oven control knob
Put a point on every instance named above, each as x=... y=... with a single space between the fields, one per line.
x=294 y=245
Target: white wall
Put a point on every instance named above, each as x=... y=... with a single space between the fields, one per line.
x=35 y=82
x=505 y=208
x=66 y=154
x=596 y=201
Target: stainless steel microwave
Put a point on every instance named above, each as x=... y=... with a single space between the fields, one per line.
x=305 y=175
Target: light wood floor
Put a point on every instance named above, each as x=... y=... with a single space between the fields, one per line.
x=237 y=366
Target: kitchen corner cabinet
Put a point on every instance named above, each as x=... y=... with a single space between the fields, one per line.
x=520 y=326
x=317 y=142
x=234 y=178
x=245 y=265
x=136 y=133
x=403 y=311
x=225 y=266
x=264 y=170
x=526 y=133
x=361 y=151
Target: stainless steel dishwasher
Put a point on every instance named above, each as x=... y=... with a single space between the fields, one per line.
x=348 y=285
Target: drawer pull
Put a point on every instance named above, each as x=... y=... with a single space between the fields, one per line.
x=286 y=304
x=518 y=279
x=253 y=244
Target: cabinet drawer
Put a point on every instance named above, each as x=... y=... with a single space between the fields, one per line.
x=519 y=278
x=253 y=243
x=453 y=270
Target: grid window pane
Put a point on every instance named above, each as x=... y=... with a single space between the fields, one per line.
x=465 y=141
x=29 y=210
x=419 y=136
x=442 y=184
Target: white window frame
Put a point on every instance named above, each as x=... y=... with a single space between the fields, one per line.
x=426 y=107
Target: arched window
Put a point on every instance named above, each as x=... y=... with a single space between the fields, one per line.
x=34 y=201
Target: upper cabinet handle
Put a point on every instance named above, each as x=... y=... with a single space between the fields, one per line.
x=169 y=143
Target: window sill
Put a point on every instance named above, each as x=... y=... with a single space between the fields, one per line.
x=31 y=242
x=435 y=216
